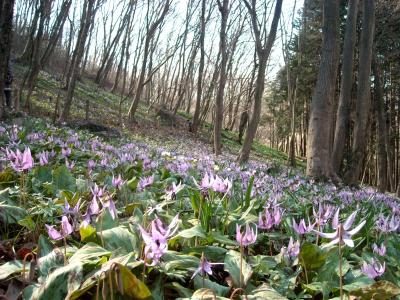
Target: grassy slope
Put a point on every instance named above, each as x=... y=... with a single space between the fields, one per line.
x=104 y=109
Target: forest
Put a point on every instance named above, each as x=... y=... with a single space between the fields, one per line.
x=199 y=149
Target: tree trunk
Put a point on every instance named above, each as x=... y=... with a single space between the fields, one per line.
x=87 y=18
x=6 y=24
x=263 y=52
x=140 y=84
x=196 y=115
x=363 y=103
x=343 y=112
x=381 y=128
x=35 y=66
x=219 y=100
x=56 y=32
x=319 y=130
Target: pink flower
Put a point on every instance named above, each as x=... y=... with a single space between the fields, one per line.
x=342 y=233
x=66 y=230
x=20 y=161
x=246 y=238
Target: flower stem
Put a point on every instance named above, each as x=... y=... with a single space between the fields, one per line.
x=101 y=229
x=241 y=266
x=340 y=266
x=65 y=251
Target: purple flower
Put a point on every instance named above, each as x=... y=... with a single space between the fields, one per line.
x=204 y=267
x=66 y=230
x=292 y=250
x=117 y=182
x=265 y=221
x=43 y=158
x=68 y=210
x=215 y=183
x=301 y=228
x=110 y=204
x=323 y=214
x=170 y=193
x=379 y=250
x=374 y=269
x=386 y=225
x=157 y=239
x=20 y=161
x=91 y=164
x=342 y=233
x=65 y=152
x=145 y=182
x=246 y=238
x=69 y=165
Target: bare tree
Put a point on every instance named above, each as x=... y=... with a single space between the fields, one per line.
x=88 y=14
x=151 y=29
x=263 y=49
x=219 y=100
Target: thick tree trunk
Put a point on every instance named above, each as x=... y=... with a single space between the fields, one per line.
x=263 y=52
x=343 y=112
x=381 y=129
x=319 y=130
x=6 y=18
x=363 y=103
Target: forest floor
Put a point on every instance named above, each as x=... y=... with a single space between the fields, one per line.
x=104 y=108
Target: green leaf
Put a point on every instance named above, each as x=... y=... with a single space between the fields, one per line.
x=219 y=290
x=63 y=180
x=90 y=251
x=50 y=262
x=119 y=238
x=44 y=246
x=265 y=292
x=10 y=214
x=128 y=285
x=232 y=265
x=12 y=267
x=222 y=239
x=42 y=174
x=174 y=260
x=105 y=221
x=28 y=223
x=212 y=253
x=311 y=256
x=206 y=294
x=380 y=290
x=88 y=234
x=248 y=192
x=59 y=283
x=133 y=183
x=195 y=231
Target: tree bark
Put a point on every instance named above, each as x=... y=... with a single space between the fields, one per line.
x=381 y=129
x=219 y=100
x=363 y=103
x=87 y=18
x=343 y=112
x=263 y=52
x=6 y=24
x=319 y=130
x=140 y=85
x=56 y=32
